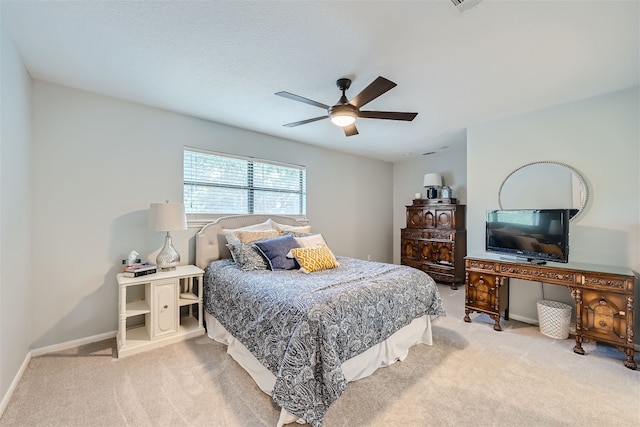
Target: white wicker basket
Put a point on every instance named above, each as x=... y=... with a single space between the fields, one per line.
x=554 y=319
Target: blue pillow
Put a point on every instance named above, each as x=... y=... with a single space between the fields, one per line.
x=276 y=250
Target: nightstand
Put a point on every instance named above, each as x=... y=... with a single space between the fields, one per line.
x=159 y=309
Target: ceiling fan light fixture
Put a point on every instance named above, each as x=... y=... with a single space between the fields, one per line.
x=342 y=115
x=343 y=120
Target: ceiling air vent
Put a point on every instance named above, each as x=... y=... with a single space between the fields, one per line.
x=464 y=5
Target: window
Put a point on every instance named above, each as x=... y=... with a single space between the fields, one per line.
x=216 y=183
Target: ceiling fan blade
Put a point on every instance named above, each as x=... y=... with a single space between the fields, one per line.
x=387 y=115
x=371 y=92
x=304 y=122
x=350 y=130
x=301 y=99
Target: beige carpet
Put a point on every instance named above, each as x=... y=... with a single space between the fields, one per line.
x=471 y=376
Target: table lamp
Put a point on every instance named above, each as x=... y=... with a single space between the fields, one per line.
x=167 y=217
x=432 y=181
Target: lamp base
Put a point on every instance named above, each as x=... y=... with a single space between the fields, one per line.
x=168 y=258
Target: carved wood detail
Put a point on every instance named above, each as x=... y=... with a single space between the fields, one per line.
x=538 y=273
x=601 y=281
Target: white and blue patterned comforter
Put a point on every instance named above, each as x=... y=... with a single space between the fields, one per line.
x=303 y=326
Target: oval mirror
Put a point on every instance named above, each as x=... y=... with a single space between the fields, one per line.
x=544 y=185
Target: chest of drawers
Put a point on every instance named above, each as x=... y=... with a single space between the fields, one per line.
x=435 y=239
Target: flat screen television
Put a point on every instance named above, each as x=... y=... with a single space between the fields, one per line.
x=535 y=235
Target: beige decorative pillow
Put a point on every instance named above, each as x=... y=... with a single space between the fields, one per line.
x=282 y=228
x=233 y=240
x=311 y=241
x=314 y=259
x=253 y=235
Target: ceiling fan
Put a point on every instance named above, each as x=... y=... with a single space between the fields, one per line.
x=345 y=112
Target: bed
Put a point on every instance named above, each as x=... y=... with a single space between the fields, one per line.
x=303 y=337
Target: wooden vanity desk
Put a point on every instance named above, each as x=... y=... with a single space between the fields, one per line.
x=603 y=296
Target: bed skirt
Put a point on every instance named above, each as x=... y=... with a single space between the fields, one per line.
x=393 y=349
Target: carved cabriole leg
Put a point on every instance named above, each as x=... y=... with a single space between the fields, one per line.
x=629 y=363
x=466 y=297
x=496 y=326
x=576 y=294
x=630 y=320
x=496 y=306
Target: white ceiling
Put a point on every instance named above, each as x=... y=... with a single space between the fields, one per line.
x=224 y=60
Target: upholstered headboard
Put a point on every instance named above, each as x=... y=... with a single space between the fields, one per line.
x=211 y=244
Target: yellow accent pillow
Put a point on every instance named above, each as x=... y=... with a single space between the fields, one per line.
x=314 y=259
x=247 y=236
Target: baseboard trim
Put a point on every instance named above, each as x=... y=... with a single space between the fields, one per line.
x=572 y=327
x=523 y=319
x=7 y=396
x=70 y=344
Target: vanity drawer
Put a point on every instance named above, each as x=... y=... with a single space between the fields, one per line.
x=607 y=282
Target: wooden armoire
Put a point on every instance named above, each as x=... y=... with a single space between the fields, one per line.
x=435 y=239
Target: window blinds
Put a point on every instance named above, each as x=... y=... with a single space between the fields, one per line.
x=216 y=183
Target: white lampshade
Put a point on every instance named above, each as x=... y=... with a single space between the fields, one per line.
x=167 y=217
x=432 y=180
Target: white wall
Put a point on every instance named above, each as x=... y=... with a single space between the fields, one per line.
x=600 y=138
x=97 y=164
x=408 y=176
x=15 y=215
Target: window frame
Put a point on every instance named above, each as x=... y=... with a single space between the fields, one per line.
x=200 y=219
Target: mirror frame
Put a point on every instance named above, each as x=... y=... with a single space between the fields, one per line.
x=585 y=193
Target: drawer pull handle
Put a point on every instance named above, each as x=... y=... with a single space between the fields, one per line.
x=603 y=323
x=164 y=308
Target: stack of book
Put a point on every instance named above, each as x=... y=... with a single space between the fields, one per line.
x=130 y=262
x=140 y=270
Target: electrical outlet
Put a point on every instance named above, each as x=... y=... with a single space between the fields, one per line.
x=368 y=257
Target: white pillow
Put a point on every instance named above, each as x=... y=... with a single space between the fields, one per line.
x=232 y=239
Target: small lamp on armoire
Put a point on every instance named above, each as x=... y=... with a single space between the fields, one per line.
x=167 y=217
x=432 y=182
